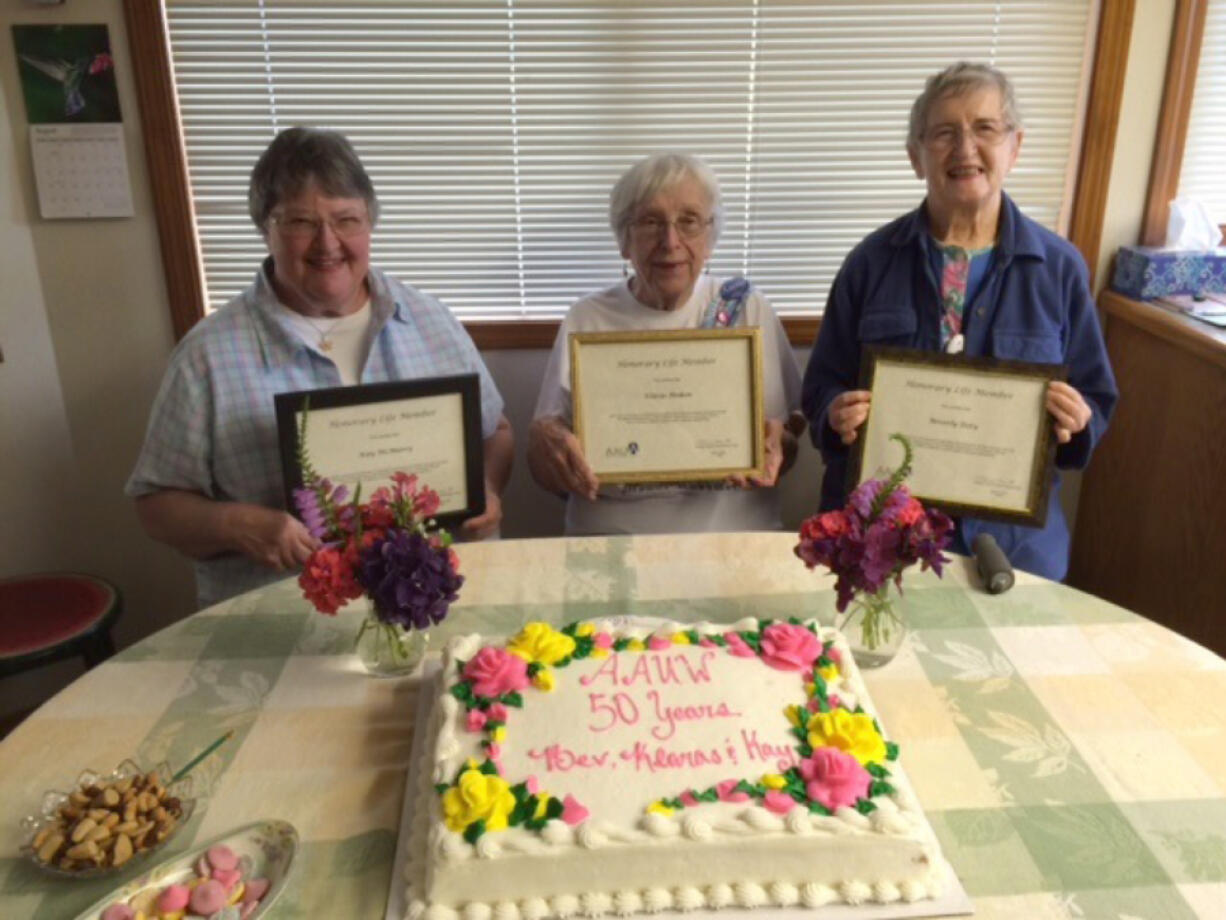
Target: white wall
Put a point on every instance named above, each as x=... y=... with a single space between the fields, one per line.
x=85 y=332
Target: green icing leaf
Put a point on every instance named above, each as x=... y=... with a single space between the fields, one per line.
x=554 y=809
x=570 y=629
x=473 y=832
x=877 y=770
x=891 y=750
x=534 y=669
x=513 y=699
x=818 y=808
x=880 y=788
x=865 y=807
x=620 y=645
x=748 y=788
x=717 y=639
x=711 y=795
x=440 y=788
x=488 y=768
x=463 y=692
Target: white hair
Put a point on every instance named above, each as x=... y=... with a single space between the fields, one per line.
x=650 y=176
x=955 y=80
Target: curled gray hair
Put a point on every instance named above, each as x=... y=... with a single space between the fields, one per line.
x=299 y=156
x=955 y=80
x=649 y=176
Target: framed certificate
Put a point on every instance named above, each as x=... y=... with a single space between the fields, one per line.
x=360 y=435
x=982 y=439
x=669 y=406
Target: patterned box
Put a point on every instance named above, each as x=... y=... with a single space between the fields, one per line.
x=1145 y=272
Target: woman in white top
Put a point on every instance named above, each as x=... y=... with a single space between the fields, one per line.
x=666 y=215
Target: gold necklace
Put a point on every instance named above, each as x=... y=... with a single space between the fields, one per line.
x=325 y=335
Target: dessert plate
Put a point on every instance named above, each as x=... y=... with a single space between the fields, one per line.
x=266 y=849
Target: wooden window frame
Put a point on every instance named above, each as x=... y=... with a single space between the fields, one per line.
x=1182 y=63
x=165 y=152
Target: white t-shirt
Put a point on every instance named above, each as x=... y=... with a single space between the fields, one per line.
x=343 y=340
x=672 y=508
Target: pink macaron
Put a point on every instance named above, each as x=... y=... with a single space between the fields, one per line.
x=256 y=889
x=173 y=899
x=222 y=857
x=208 y=897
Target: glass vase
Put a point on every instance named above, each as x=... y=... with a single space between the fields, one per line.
x=388 y=649
x=874 y=625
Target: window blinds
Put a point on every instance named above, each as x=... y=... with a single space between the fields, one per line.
x=1203 y=174
x=494 y=129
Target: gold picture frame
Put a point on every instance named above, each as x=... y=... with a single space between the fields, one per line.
x=669 y=406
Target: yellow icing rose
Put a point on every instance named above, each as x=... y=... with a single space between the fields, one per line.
x=797 y=716
x=498 y=735
x=829 y=672
x=680 y=638
x=810 y=689
x=598 y=652
x=635 y=645
x=541 y=642
x=542 y=804
x=587 y=629
x=659 y=808
x=850 y=732
x=773 y=781
x=478 y=796
x=544 y=680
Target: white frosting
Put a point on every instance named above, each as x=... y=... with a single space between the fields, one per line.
x=677 y=701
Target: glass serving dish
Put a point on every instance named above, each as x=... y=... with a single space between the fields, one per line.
x=48 y=816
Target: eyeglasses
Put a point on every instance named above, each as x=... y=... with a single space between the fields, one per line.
x=947 y=137
x=345 y=226
x=689 y=226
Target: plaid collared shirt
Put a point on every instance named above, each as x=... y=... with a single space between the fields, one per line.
x=213 y=428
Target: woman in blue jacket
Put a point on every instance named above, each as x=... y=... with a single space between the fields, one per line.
x=965 y=272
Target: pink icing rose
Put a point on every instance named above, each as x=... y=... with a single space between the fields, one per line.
x=476 y=720
x=728 y=792
x=532 y=785
x=833 y=654
x=659 y=643
x=737 y=646
x=778 y=802
x=118 y=912
x=834 y=701
x=602 y=640
x=834 y=778
x=706 y=643
x=495 y=671
x=789 y=647
x=687 y=798
x=572 y=812
x=497 y=712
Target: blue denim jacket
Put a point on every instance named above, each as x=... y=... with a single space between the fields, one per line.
x=1035 y=305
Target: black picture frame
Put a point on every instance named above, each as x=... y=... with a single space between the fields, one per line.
x=375 y=395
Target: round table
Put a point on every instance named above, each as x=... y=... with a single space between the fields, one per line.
x=1070 y=755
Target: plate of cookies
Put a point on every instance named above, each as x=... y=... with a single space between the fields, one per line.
x=108 y=822
x=236 y=876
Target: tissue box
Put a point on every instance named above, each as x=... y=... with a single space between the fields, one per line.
x=1145 y=272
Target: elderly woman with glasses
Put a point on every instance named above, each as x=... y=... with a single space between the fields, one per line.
x=967 y=272
x=208 y=479
x=665 y=214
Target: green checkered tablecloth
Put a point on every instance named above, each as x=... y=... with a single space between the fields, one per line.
x=1071 y=755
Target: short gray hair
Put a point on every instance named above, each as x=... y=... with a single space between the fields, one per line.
x=299 y=156
x=649 y=176
x=955 y=80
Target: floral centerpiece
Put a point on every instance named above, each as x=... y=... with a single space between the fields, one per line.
x=386 y=548
x=882 y=531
